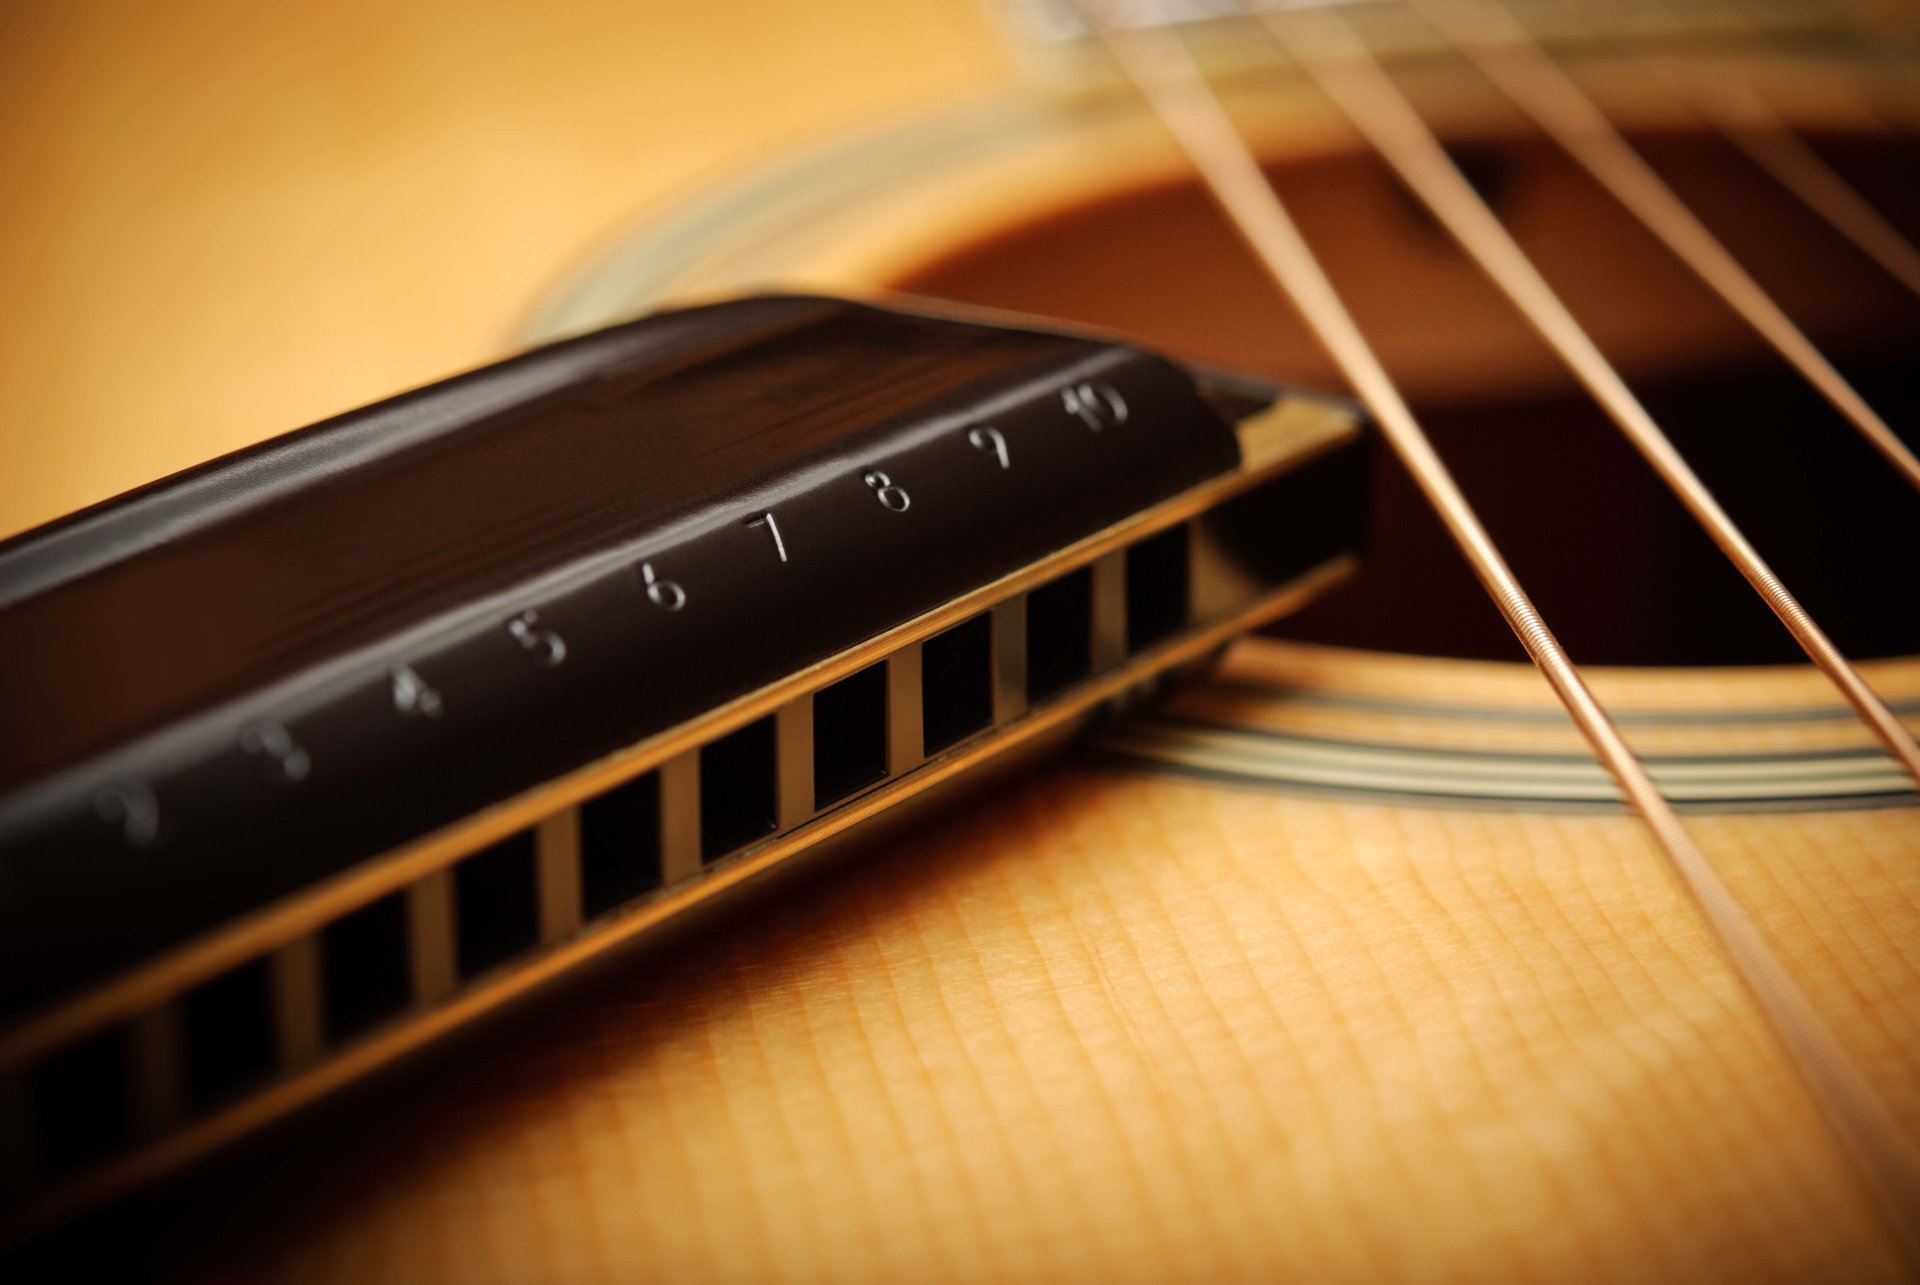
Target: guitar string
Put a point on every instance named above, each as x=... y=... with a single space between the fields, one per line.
x=1167 y=75
x=1746 y=120
x=1882 y=29
x=1324 y=46
x=1495 y=41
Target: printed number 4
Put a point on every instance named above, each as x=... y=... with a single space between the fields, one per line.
x=412 y=696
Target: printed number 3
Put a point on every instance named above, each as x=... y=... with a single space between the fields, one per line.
x=893 y=497
x=274 y=743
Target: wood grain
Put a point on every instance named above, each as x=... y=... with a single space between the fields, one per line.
x=1111 y=1027
x=1162 y=1032
x=1141 y=1029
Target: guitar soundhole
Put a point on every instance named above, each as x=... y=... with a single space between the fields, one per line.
x=364 y=962
x=956 y=677
x=739 y=780
x=1613 y=561
x=620 y=845
x=849 y=735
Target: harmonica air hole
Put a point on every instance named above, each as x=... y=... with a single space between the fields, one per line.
x=364 y=967
x=956 y=683
x=83 y=1108
x=739 y=776
x=228 y=1027
x=1159 y=585
x=849 y=735
x=1059 y=634
x=620 y=845
x=496 y=906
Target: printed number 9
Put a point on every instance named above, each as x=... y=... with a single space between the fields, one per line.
x=891 y=496
x=993 y=442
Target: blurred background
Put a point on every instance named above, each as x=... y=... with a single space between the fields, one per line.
x=223 y=220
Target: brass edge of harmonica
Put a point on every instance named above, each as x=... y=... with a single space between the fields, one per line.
x=1288 y=435
x=385 y=1045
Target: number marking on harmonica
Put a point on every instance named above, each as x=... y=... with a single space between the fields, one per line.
x=991 y=440
x=1094 y=403
x=773 y=528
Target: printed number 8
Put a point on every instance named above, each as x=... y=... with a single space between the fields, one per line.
x=891 y=496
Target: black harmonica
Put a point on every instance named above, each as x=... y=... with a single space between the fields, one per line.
x=311 y=754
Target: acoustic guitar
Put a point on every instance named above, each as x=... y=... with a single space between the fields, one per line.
x=1350 y=950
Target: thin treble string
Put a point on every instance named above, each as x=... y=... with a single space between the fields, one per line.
x=1752 y=125
x=1159 y=63
x=1506 y=53
x=1882 y=35
x=1742 y=114
x=1322 y=43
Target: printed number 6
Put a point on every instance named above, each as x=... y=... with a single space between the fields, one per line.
x=665 y=594
x=890 y=495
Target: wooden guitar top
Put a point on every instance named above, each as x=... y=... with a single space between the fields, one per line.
x=1333 y=970
x=1125 y=1024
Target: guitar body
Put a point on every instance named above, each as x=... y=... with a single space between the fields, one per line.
x=1343 y=963
x=1132 y=1023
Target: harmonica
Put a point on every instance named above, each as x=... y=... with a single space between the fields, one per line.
x=320 y=751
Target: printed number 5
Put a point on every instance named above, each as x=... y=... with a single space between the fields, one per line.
x=550 y=648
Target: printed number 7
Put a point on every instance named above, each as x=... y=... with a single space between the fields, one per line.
x=773 y=529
